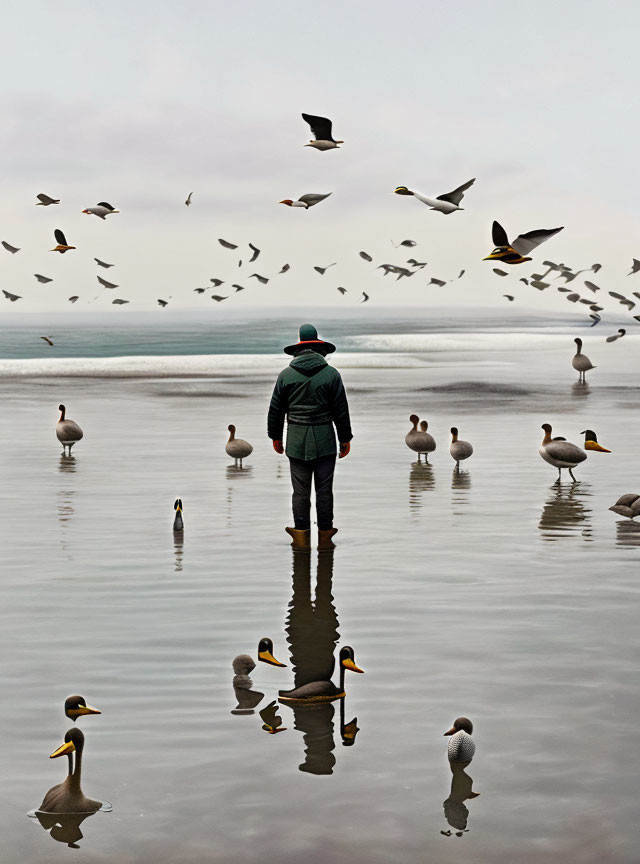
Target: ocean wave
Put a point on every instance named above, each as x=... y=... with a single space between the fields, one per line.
x=423 y=343
x=203 y=365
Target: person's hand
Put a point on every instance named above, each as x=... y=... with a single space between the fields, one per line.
x=277 y=446
x=344 y=449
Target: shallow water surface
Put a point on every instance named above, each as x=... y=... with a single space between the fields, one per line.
x=493 y=592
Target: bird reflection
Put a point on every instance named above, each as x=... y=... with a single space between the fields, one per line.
x=627 y=533
x=565 y=513
x=421 y=479
x=460 y=485
x=63 y=827
x=65 y=506
x=67 y=464
x=178 y=545
x=312 y=633
x=579 y=391
x=455 y=810
x=233 y=472
x=246 y=697
x=271 y=720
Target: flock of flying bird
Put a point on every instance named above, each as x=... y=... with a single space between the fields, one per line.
x=505 y=251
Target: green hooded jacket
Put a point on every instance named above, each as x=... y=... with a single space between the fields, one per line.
x=310 y=394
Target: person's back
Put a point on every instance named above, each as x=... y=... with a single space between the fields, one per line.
x=310 y=395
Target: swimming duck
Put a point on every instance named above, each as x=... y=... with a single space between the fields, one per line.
x=591 y=441
x=306 y=201
x=321 y=129
x=68 y=797
x=559 y=452
x=178 y=523
x=323 y=691
x=67 y=431
x=447 y=203
x=236 y=447
x=419 y=440
x=62 y=245
x=515 y=253
x=627 y=505
x=243 y=664
x=459 y=449
x=461 y=747
x=581 y=362
x=76 y=706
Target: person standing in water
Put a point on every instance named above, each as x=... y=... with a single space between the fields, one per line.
x=310 y=394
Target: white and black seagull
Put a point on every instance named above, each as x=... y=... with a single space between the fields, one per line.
x=321 y=130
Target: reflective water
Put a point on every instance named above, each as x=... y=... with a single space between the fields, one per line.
x=494 y=593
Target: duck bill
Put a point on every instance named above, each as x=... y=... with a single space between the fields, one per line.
x=593 y=445
x=267 y=657
x=493 y=257
x=67 y=747
x=349 y=664
x=451 y=731
x=81 y=710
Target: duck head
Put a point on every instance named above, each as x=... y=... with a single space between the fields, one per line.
x=76 y=706
x=348 y=659
x=402 y=190
x=424 y=425
x=507 y=254
x=73 y=740
x=461 y=724
x=454 y=433
x=579 y=344
x=265 y=653
x=415 y=420
x=591 y=441
x=62 y=410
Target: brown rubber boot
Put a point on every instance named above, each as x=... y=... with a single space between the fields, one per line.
x=300 y=539
x=325 y=543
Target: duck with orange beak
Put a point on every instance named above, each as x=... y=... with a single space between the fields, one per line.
x=591 y=441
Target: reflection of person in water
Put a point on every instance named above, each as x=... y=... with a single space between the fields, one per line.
x=312 y=633
x=455 y=810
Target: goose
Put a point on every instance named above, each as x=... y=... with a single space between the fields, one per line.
x=76 y=706
x=627 y=505
x=581 y=362
x=419 y=440
x=459 y=449
x=236 y=447
x=243 y=664
x=67 y=431
x=559 y=452
x=68 y=797
x=447 y=203
x=178 y=523
x=461 y=746
x=323 y=691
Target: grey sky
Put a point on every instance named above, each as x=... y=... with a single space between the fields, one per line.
x=140 y=103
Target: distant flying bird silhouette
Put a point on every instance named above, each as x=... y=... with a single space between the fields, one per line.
x=499 y=272
x=418 y=264
x=226 y=244
x=365 y=297
x=408 y=243
x=118 y=302
x=105 y=283
x=461 y=274
x=47 y=340
x=365 y=255
x=61 y=240
x=509 y=296
x=255 y=251
x=634 y=267
x=217 y=282
x=10 y=248
x=262 y=279
x=439 y=282
x=45 y=200
x=343 y=291
x=73 y=299
x=218 y=297
x=285 y=268
x=596 y=319
x=321 y=129
x=188 y=201
x=102 y=263
x=592 y=286
x=10 y=296
x=323 y=270
x=199 y=290
x=101 y=210
x=42 y=279
x=163 y=303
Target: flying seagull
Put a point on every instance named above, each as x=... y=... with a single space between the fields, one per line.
x=343 y=291
x=10 y=248
x=285 y=268
x=509 y=296
x=199 y=290
x=408 y=243
x=310 y=199
x=321 y=130
x=42 y=279
x=105 y=283
x=188 y=201
x=323 y=270
x=262 y=279
x=101 y=210
x=238 y=288
x=163 y=303
x=102 y=263
x=365 y=255
x=255 y=251
x=217 y=282
x=634 y=267
x=515 y=253
x=447 y=203
x=118 y=302
x=12 y=297
x=365 y=297
x=47 y=340
x=62 y=246
x=73 y=299
x=226 y=244
x=45 y=200
x=217 y=297
x=417 y=264
x=439 y=282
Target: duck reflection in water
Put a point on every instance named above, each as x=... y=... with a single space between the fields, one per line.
x=312 y=633
x=63 y=827
x=627 y=533
x=248 y=698
x=421 y=479
x=580 y=391
x=67 y=464
x=565 y=513
x=455 y=810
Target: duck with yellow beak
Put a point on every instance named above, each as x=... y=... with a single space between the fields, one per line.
x=591 y=441
x=68 y=797
x=516 y=252
x=322 y=691
x=76 y=706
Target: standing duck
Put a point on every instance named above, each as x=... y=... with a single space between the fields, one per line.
x=419 y=440
x=461 y=746
x=178 y=523
x=559 y=452
x=459 y=449
x=323 y=691
x=581 y=362
x=68 y=432
x=68 y=797
x=236 y=447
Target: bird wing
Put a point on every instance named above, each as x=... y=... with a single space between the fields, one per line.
x=499 y=235
x=10 y=296
x=73 y=299
x=44 y=198
x=564 y=451
x=457 y=195
x=102 y=263
x=105 y=283
x=105 y=204
x=218 y=297
x=320 y=127
x=255 y=251
x=616 y=295
x=311 y=198
x=60 y=238
x=526 y=242
x=226 y=244
x=9 y=247
x=285 y=268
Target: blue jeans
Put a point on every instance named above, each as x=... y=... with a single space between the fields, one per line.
x=302 y=473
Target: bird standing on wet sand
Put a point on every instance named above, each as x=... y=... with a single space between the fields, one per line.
x=67 y=431
x=447 y=203
x=101 y=210
x=459 y=449
x=563 y=454
x=321 y=129
x=581 y=362
x=419 y=440
x=515 y=253
x=45 y=200
x=178 y=522
x=461 y=747
x=310 y=199
x=61 y=240
x=237 y=448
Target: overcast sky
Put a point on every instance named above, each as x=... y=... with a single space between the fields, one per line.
x=140 y=103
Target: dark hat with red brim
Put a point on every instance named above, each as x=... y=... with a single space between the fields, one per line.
x=309 y=340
